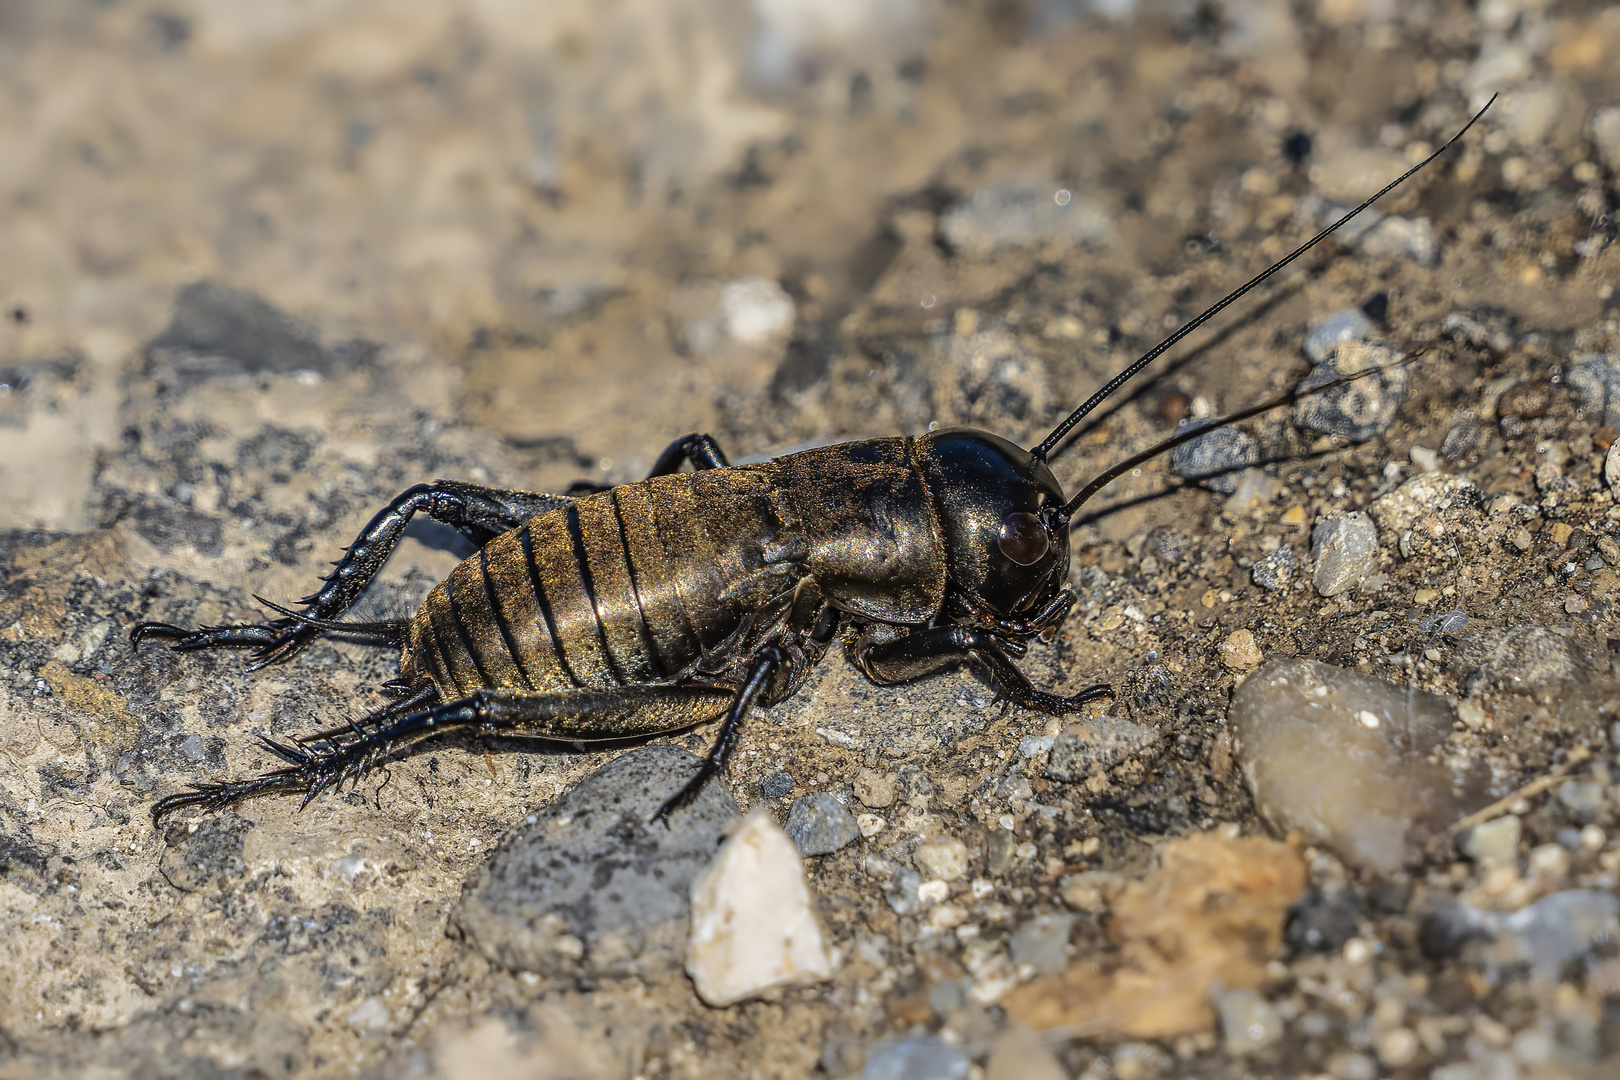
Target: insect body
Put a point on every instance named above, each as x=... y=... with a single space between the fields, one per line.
x=691 y=597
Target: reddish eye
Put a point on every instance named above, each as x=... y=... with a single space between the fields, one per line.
x=1023 y=538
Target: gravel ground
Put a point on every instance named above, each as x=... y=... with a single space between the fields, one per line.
x=266 y=268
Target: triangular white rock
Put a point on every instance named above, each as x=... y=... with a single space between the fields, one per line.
x=753 y=924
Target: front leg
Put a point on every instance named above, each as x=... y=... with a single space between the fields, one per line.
x=927 y=651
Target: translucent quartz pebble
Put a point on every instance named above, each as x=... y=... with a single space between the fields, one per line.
x=1343 y=758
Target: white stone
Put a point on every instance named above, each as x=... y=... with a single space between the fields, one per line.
x=945 y=858
x=1606 y=133
x=754 y=926
x=756 y=310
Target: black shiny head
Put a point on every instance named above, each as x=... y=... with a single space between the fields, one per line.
x=1006 y=538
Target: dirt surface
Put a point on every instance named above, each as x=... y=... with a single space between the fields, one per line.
x=264 y=269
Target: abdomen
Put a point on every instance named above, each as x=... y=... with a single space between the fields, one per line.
x=623 y=587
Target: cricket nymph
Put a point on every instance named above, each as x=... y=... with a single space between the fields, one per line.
x=689 y=597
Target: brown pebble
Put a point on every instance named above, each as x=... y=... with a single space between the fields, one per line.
x=1527 y=399
x=1174 y=407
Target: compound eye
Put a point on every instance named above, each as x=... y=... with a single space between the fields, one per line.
x=1023 y=538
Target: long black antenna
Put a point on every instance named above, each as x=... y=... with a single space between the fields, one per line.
x=1120 y=468
x=1041 y=452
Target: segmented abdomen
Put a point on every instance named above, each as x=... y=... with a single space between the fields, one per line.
x=622 y=587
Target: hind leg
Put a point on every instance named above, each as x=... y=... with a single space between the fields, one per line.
x=479 y=513
x=574 y=716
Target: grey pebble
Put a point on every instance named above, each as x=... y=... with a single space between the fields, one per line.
x=1249 y=1023
x=1322 y=921
x=1358 y=410
x=1043 y=942
x=776 y=785
x=1324 y=339
x=1344 y=553
x=901 y=892
x=1529 y=658
x=591 y=884
x=1215 y=460
x=999 y=852
x=218 y=330
x=1597 y=380
x=819 y=824
x=1277 y=570
x=1093 y=746
x=1582 y=798
x=1343 y=344
x=1496 y=840
x=1021 y=211
x=915 y=1057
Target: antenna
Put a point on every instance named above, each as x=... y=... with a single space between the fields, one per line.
x=1041 y=452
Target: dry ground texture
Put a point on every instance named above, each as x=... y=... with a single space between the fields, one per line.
x=264 y=266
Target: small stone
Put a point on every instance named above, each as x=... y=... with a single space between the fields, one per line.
x=1547 y=935
x=1215 y=460
x=819 y=824
x=1424 y=458
x=1322 y=921
x=777 y=785
x=1091 y=891
x=1019 y=1054
x=1000 y=851
x=1611 y=466
x=590 y=878
x=945 y=858
x=1276 y=571
x=1344 y=552
x=370 y=1017
x=875 y=789
x=756 y=310
x=915 y=1057
x=1560 y=532
x=1496 y=840
x=1521 y=539
x=1093 y=746
x=1463 y=440
x=1397 y=1047
x=1609 y=550
x=1527 y=399
x=1043 y=943
x=1592 y=838
x=1324 y=339
x=1597 y=380
x=1471 y=713
x=1531 y=658
x=1346 y=344
x=1426 y=493
x=1582 y=798
x=869 y=824
x=902 y=892
x=1249 y=1023
x=1606 y=135
x=1240 y=652
x=1022 y=211
x=1342 y=757
x=753 y=923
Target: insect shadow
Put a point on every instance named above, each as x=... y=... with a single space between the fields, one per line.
x=617 y=613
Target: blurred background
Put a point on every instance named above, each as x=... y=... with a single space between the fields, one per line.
x=586 y=227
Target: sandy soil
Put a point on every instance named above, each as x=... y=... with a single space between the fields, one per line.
x=263 y=269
